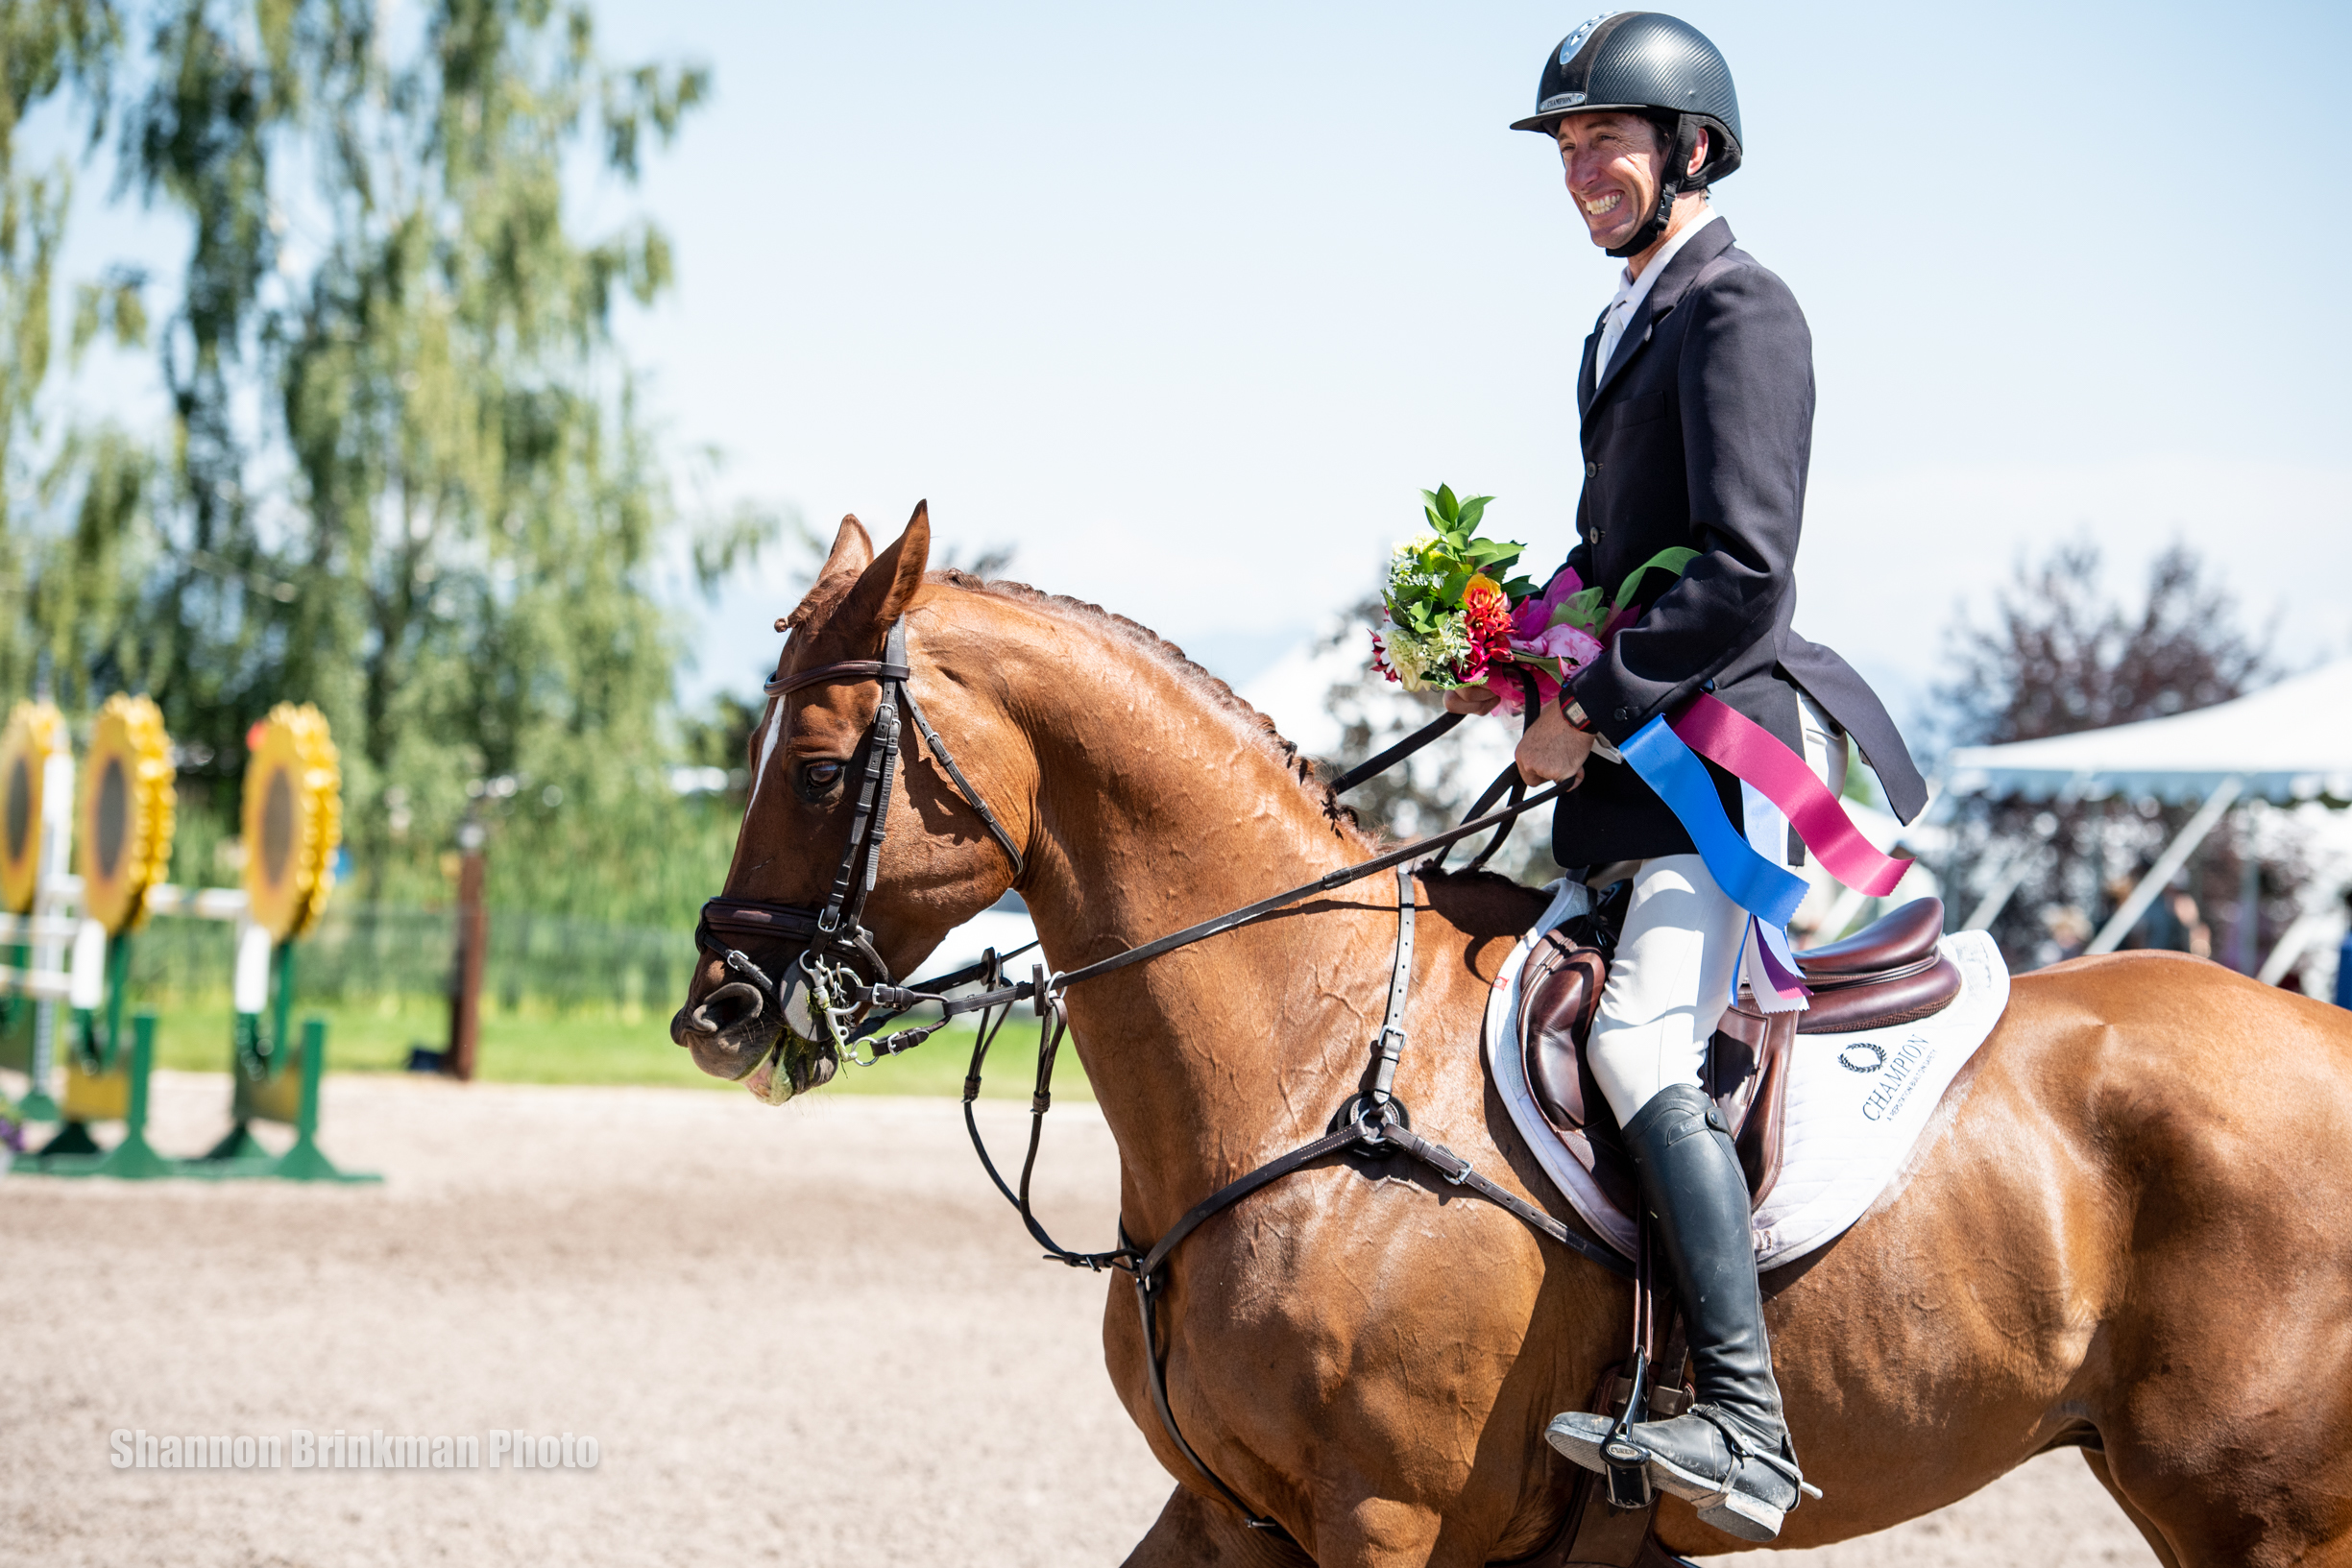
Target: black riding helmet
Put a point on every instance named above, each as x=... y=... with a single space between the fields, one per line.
x=1660 y=66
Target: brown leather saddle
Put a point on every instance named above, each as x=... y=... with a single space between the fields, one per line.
x=1888 y=974
x=1891 y=972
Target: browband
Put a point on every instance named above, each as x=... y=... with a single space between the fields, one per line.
x=849 y=670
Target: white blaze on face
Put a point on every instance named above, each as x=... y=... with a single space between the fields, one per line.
x=771 y=725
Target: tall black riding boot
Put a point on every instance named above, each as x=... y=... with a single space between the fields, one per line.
x=1729 y=1453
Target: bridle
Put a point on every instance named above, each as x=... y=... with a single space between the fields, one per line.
x=1372 y=1124
x=833 y=938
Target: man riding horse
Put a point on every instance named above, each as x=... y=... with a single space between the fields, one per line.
x=1696 y=392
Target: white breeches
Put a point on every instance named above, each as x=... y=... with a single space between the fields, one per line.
x=1671 y=978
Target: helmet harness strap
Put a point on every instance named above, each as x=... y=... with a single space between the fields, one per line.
x=1672 y=180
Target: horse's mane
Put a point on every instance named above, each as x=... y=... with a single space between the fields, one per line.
x=1462 y=881
x=1256 y=726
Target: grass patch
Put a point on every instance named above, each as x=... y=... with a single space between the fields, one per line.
x=598 y=1047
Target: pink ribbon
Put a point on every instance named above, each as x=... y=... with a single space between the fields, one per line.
x=1748 y=751
x=1769 y=959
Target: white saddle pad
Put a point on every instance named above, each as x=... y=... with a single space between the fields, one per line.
x=1856 y=1102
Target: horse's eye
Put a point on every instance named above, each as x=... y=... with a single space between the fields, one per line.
x=817 y=780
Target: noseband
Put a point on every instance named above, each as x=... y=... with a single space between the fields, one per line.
x=834 y=939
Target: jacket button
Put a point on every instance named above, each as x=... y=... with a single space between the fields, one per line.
x=1625 y=716
x=1592 y=471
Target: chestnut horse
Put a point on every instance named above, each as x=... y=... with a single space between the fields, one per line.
x=2129 y=1230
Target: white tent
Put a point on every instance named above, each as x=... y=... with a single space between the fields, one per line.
x=2285 y=743
x=2290 y=743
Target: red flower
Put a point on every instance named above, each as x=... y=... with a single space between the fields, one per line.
x=1486 y=614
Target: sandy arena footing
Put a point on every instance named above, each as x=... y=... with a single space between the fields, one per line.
x=803 y=1336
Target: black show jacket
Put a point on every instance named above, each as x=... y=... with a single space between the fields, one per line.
x=1698 y=433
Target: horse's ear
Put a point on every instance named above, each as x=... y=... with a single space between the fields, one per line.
x=887 y=587
x=853 y=551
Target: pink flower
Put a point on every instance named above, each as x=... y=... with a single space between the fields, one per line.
x=1564 y=643
x=1533 y=614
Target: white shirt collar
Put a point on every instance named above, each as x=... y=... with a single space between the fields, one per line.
x=1632 y=291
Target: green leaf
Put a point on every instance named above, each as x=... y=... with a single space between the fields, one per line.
x=1473 y=509
x=1582 y=610
x=1674 y=560
x=1447 y=505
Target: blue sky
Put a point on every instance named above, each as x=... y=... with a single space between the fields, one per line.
x=1185 y=304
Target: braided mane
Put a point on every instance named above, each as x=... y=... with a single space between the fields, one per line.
x=1142 y=639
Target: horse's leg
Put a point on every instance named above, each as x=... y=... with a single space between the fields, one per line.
x=2141 y=1522
x=2220 y=1378
x=1193 y=1532
x=2259 y=1482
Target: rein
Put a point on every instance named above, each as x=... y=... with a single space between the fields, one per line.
x=1372 y=1123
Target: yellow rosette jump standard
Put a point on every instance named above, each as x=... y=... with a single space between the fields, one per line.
x=127 y=812
x=35 y=759
x=35 y=737
x=293 y=822
x=123 y=831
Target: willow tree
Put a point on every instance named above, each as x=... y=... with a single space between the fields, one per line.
x=72 y=547
x=444 y=528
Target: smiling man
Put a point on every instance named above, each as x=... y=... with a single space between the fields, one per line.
x=1696 y=392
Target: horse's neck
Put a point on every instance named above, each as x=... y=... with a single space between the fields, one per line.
x=1161 y=810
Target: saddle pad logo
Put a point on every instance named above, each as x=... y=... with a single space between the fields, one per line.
x=1576 y=40
x=1871 y=1063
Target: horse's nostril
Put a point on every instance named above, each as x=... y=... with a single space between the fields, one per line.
x=728 y=1008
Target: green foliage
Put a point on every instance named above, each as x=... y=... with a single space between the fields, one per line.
x=59 y=599
x=457 y=567
x=1455 y=522
x=445 y=524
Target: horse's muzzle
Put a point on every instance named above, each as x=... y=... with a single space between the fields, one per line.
x=731 y=1034
x=726 y=1031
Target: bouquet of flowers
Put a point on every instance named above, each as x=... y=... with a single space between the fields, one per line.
x=1451 y=620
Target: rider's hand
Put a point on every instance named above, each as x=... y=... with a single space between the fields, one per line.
x=1554 y=749
x=1470 y=699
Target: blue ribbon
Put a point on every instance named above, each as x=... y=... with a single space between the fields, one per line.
x=1769 y=892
